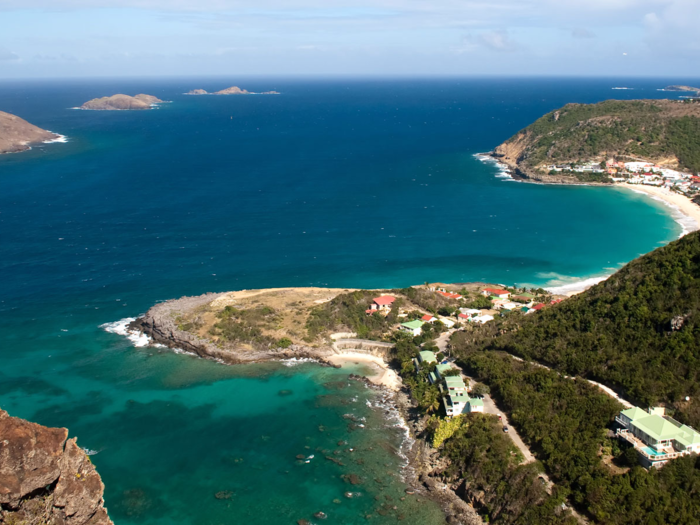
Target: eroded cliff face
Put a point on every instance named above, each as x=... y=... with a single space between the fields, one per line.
x=46 y=478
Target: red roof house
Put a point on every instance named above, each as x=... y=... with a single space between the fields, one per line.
x=383 y=302
x=428 y=318
x=502 y=294
x=538 y=306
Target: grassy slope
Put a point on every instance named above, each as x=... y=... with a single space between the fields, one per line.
x=641 y=128
x=621 y=332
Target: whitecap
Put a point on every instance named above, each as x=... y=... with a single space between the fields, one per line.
x=121 y=327
x=59 y=138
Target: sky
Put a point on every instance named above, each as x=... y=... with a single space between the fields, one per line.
x=79 y=38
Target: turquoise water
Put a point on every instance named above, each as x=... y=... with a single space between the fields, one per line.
x=338 y=183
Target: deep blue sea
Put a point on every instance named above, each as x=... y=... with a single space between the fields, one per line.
x=345 y=182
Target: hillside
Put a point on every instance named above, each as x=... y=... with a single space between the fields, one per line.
x=17 y=134
x=663 y=131
x=638 y=331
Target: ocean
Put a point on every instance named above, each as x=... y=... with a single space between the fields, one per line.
x=335 y=182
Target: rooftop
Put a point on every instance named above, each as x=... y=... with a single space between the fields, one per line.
x=413 y=325
x=384 y=300
x=427 y=357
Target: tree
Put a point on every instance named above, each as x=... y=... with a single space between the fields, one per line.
x=480 y=389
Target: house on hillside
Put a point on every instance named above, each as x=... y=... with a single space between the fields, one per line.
x=412 y=327
x=495 y=292
x=428 y=318
x=449 y=295
x=656 y=437
x=382 y=302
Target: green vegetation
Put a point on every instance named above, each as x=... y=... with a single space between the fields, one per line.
x=485 y=458
x=246 y=326
x=563 y=421
x=430 y=301
x=347 y=311
x=638 y=128
x=638 y=331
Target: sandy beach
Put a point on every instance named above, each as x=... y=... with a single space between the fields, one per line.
x=681 y=203
x=381 y=373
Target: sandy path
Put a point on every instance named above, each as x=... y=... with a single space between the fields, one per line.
x=381 y=373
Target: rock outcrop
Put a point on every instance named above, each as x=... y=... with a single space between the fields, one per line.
x=121 y=102
x=233 y=90
x=46 y=478
x=17 y=134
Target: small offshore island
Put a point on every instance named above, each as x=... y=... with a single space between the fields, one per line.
x=526 y=407
x=17 y=134
x=233 y=90
x=121 y=102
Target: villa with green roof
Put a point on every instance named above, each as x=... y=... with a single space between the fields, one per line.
x=655 y=436
x=439 y=373
x=413 y=327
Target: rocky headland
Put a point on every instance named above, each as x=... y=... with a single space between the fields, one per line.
x=46 y=477
x=659 y=131
x=17 y=134
x=122 y=102
x=233 y=90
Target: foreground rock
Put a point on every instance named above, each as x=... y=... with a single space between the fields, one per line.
x=122 y=102
x=233 y=90
x=46 y=478
x=17 y=134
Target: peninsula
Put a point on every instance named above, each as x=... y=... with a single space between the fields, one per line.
x=233 y=90
x=46 y=477
x=17 y=134
x=531 y=413
x=569 y=144
x=122 y=102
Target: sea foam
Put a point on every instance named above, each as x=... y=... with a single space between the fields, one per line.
x=121 y=327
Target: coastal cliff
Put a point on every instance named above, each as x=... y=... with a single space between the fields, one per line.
x=122 y=102
x=46 y=478
x=17 y=134
x=661 y=131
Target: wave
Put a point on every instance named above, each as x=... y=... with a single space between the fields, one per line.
x=59 y=138
x=121 y=327
x=563 y=285
x=294 y=361
x=687 y=223
x=504 y=171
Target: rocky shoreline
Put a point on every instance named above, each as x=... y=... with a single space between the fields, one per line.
x=521 y=174
x=159 y=323
x=423 y=463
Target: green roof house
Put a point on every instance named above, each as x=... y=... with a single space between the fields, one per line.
x=412 y=327
x=426 y=357
x=656 y=437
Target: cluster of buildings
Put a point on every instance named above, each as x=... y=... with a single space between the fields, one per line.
x=656 y=437
x=637 y=172
x=506 y=301
x=456 y=398
x=652 y=175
